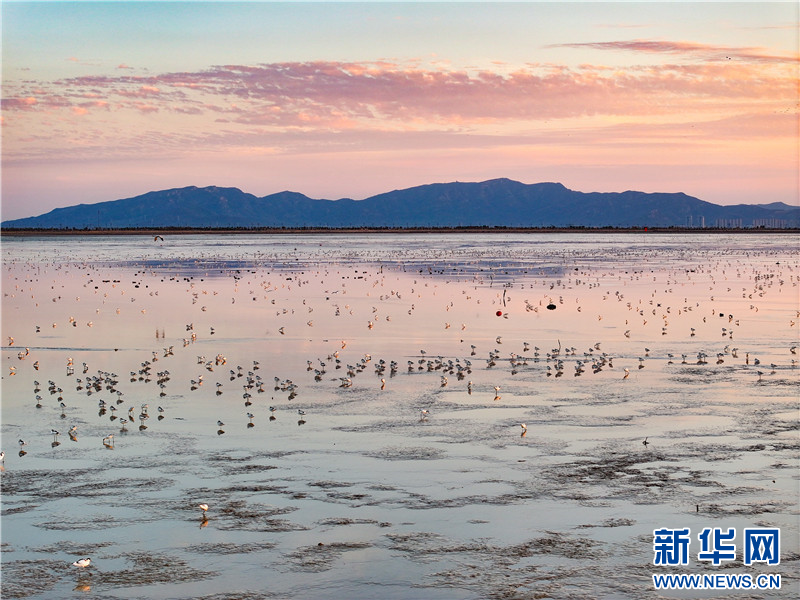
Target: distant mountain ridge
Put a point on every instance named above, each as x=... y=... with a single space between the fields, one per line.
x=492 y=203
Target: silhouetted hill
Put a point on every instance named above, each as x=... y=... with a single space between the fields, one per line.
x=494 y=203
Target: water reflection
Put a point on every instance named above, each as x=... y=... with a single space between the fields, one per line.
x=464 y=412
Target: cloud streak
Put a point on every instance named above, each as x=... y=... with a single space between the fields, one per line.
x=387 y=95
x=705 y=52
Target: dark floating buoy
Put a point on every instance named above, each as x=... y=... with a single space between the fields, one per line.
x=499 y=313
x=551 y=306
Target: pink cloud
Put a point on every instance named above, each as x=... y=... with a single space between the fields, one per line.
x=703 y=51
x=342 y=93
x=143 y=91
x=145 y=108
x=19 y=103
x=96 y=104
x=400 y=112
x=188 y=110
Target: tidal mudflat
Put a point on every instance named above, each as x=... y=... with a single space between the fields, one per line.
x=393 y=415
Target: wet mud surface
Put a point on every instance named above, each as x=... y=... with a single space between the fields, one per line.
x=360 y=425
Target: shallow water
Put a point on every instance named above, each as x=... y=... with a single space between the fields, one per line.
x=365 y=495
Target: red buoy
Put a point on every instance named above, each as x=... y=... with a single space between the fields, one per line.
x=499 y=313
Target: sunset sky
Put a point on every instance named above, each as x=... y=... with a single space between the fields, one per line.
x=110 y=100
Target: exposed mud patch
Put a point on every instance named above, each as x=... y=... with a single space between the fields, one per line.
x=87 y=483
x=330 y=484
x=41 y=483
x=229 y=548
x=609 y=523
x=236 y=595
x=557 y=543
x=84 y=523
x=337 y=521
x=412 y=453
x=749 y=509
x=75 y=549
x=149 y=569
x=17 y=510
x=240 y=515
x=318 y=558
x=23 y=578
x=244 y=469
x=427 y=547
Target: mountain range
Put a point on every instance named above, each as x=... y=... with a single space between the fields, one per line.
x=493 y=203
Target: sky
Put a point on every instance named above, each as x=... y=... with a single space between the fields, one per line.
x=109 y=100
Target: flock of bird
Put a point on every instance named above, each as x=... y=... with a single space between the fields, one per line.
x=531 y=359
x=120 y=407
